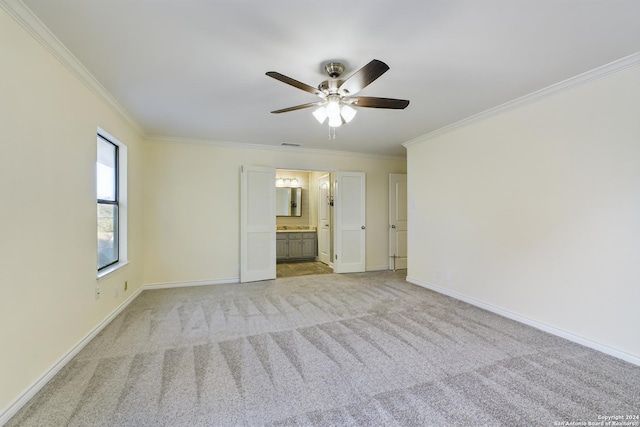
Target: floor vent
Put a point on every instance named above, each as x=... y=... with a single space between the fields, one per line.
x=290 y=144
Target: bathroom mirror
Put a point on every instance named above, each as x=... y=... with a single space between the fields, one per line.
x=288 y=201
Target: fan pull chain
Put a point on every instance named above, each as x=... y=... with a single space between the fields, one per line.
x=332 y=133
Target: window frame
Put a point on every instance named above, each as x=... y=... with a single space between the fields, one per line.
x=115 y=202
x=120 y=202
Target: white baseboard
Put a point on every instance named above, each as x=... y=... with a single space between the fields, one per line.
x=531 y=322
x=378 y=268
x=20 y=401
x=167 y=285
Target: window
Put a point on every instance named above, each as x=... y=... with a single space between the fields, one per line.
x=107 y=190
x=111 y=197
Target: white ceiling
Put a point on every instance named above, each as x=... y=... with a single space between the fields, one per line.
x=196 y=68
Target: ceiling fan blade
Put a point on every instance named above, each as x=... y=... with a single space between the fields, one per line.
x=298 y=107
x=295 y=83
x=373 y=102
x=363 y=77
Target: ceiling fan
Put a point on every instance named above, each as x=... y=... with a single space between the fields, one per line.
x=337 y=96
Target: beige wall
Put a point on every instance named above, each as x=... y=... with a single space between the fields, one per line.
x=48 y=124
x=192 y=204
x=536 y=211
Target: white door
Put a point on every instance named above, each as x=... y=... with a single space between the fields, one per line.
x=324 y=219
x=258 y=224
x=397 y=221
x=349 y=210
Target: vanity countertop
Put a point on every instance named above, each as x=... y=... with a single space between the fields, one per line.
x=295 y=229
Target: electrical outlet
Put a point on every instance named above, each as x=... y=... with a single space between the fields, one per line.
x=126 y=285
x=97 y=293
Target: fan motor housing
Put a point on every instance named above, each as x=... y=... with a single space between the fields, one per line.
x=330 y=86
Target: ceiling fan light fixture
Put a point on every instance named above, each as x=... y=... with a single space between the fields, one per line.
x=320 y=114
x=348 y=113
x=335 y=122
x=333 y=107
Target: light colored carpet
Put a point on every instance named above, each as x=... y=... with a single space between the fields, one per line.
x=330 y=350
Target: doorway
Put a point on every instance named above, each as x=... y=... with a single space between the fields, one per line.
x=304 y=229
x=264 y=242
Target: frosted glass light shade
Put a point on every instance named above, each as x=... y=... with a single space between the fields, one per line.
x=320 y=114
x=348 y=113
x=335 y=122
x=333 y=110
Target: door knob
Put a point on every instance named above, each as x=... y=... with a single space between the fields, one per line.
x=362 y=227
x=393 y=226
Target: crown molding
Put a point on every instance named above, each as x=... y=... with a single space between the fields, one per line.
x=30 y=22
x=616 y=66
x=39 y=31
x=250 y=146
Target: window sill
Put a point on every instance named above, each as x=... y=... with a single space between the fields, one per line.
x=107 y=272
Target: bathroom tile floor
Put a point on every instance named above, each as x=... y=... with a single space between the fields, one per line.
x=301 y=268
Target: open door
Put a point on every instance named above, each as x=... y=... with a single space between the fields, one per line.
x=350 y=209
x=324 y=219
x=257 y=224
x=397 y=221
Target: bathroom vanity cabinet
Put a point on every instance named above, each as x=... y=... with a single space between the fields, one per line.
x=296 y=245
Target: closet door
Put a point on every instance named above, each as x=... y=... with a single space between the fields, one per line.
x=257 y=224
